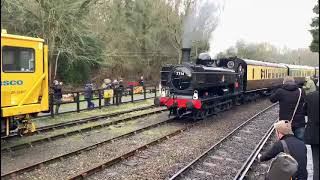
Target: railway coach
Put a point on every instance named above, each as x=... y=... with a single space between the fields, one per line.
x=256 y=75
x=299 y=72
x=24 y=81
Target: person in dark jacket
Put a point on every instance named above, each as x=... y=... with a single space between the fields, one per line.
x=296 y=148
x=141 y=81
x=88 y=95
x=57 y=94
x=120 y=90
x=311 y=136
x=115 y=87
x=287 y=96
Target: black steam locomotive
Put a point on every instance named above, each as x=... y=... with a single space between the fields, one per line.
x=209 y=86
x=198 y=87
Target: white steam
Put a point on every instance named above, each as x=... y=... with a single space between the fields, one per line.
x=201 y=20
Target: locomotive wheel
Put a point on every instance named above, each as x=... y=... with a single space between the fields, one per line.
x=204 y=114
x=200 y=114
x=229 y=105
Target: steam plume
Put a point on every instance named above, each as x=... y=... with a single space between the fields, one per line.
x=201 y=20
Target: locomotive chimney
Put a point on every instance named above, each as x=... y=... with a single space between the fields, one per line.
x=185 y=54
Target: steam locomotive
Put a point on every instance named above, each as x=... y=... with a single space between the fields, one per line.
x=212 y=85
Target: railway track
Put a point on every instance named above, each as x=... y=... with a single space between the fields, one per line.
x=13 y=173
x=235 y=151
x=76 y=122
x=115 y=160
x=108 y=163
x=74 y=131
x=103 y=165
x=242 y=173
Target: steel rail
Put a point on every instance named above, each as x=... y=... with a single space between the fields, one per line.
x=76 y=131
x=77 y=122
x=115 y=160
x=189 y=166
x=246 y=166
x=81 y=150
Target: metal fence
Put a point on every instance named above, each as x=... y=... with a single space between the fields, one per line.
x=77 y=102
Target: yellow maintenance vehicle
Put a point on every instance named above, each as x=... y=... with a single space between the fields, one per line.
x=24 y=82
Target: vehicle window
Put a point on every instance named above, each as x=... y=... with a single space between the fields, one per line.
x=266 y=73
x=18 y=59
x=252 y=73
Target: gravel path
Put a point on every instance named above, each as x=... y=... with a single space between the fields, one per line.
x=51 y=149
x=162 y=161
x=45 y=121
x=83 y=105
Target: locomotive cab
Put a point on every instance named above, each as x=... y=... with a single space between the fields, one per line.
x=236 y=65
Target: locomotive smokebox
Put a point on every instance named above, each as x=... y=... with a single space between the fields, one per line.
x=186 y=54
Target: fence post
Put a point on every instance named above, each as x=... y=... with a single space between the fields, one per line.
x=144 y=93
x=131 y=93
x=100 y=97
x=51 y=105
x=114 y=95
x=117 y=96
x=155 y=91
x=78 y=102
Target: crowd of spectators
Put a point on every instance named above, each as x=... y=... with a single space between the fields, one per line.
x=109 y=89
x=297 y=131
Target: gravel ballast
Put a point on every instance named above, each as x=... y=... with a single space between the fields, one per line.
x=57 y=147
x=259 y=169
x=167 y=158
x=157 y=162
x=73 y=165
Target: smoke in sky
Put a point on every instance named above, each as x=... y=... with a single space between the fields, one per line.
x=201 y=20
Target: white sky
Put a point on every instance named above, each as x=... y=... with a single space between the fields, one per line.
x=279 y=22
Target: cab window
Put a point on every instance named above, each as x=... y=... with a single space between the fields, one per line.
x=18 y=59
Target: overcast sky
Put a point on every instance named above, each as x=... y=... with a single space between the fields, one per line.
x=280 y=22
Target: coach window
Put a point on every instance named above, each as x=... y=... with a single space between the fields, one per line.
x=18 y=59
x=252 y=73
x=266 y=73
